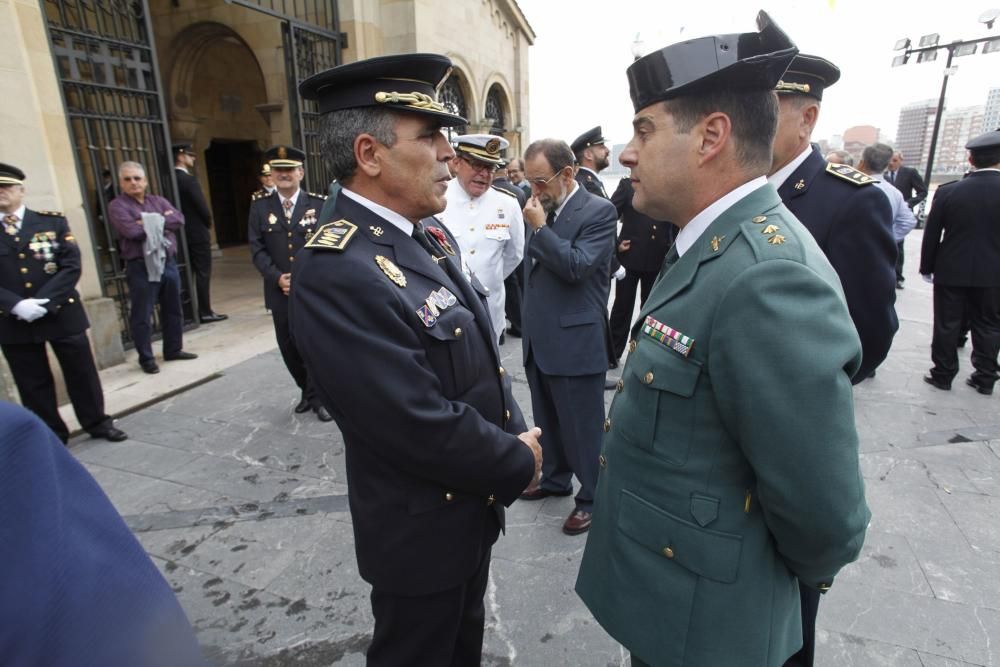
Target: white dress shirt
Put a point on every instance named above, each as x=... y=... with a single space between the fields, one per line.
x=699 y=223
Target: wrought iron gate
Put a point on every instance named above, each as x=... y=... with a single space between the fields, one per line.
x=110 y=81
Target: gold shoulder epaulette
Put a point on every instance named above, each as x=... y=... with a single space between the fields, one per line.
x=57 y=214
x=849 y=174
x=317 y=196
x=333 y=236
x=257 y=195
x=506 y=192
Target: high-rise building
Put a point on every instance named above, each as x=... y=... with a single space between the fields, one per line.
x=913 y=132
x=991 y=117
x=957 y=127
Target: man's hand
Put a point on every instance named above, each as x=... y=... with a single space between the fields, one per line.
x=139 y=222
x=530 y=438
x=30 y=310
x=534 y=214
x=624 y=245
x=285 y=282
x=620 y=273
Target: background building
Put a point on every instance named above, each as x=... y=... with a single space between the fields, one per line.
x=98 y=82
x=991 y=114
x=957 y=127
x=913 y=133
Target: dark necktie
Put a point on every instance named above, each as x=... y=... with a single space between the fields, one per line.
x=670 y=259
x=550 y=218
x=892 y=177
x=420 y=236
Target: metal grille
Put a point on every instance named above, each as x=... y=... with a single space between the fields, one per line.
x=453 y=99
x=109 y=77
x=494 y=111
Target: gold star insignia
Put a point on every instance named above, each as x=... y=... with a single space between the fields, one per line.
x=716 y=240
x=759 y=219
x=777 y=239
x=770 y=229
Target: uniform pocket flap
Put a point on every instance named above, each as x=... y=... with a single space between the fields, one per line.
x=452 y=325
x=661 y=368
x=704 y=509
x=578 y=318
x=707 y=553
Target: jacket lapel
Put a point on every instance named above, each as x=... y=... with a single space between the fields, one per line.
x=800 y=180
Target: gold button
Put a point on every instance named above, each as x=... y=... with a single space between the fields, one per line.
x=20 y=255
x=648 y=378
x=759 y=219
x=290 y=246
x=823 y=587
x=291 y=259
x=631 y=345
x=506 y=415
x=653 y=236
x=607 y=425
x=620 y=386
x=28 y=285
x=668 y=552
x=71 y=300
x=654 y=226
x=502 y=371
x=24 y=269
x=458 y=332
x=449 y=497
x=603 y=461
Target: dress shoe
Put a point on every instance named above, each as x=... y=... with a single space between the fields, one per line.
x=899 y=284
x=502 y=339
x=149 y=367
x=180 y=356
x=541 y=492
x=110 y=433
x=323 y=414
x=962 y=341
x=981 y=388
x=514 y=332
x=303 y=406
x=939 y=384
x=213 y=317
x=577 y=523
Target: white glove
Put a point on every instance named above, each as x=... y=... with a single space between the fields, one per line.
x=928 y=277
x=620 y=273
x=30 y=310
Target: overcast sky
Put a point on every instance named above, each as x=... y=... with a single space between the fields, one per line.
x=582 y=48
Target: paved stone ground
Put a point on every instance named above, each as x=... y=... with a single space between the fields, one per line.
x=242 y=505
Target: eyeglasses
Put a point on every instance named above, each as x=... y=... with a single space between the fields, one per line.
x=480 y=166
x=542 y=182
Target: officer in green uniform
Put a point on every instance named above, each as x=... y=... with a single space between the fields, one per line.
x=729 y=467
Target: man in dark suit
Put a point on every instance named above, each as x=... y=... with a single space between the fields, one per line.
x=571 y=235
x=39 y=269
x=591 y=158
x=851 y=220
x=849 y=217
x=642 y=245
x=909 y=182
x=79 y=589
x=197 y=226
x=280 y=224
x=436 y=445
x=965 y=267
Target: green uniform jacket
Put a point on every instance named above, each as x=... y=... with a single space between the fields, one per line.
x=728 y=472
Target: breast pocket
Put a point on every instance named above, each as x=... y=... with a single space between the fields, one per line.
x=451 y=349
x=499 y=234
x=656 y=410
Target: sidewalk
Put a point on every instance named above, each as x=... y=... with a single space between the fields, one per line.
x=242 y=504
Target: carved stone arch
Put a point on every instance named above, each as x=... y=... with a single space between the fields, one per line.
x=498 y=108
x=460 y=79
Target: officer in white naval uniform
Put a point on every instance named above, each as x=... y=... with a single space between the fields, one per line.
x=485 y=220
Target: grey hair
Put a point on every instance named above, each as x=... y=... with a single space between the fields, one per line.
x=877 y=157
x=843 y=156
x=339 y=129
x=128 y=164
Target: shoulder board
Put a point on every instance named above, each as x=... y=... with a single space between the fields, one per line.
x=333 y=236
x=56 y=214
x=768 y=234
x=313 y=194
x=849 y=174
x=506 y=192
x=258 y=195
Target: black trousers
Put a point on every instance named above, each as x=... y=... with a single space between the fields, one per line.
x=290 y=355
x=982 y=307
x=624 y=305
x=438 y=630
x=570 y=412
x=809 y=598
x=200 y=258
x=899 y=261
x=29 y=364
x=514 y=287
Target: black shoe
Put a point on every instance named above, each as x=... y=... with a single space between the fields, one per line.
x=939 y=384
x=981 y=388
x=303 y=406
x=180 y=356
x=110 y=433
x=962 y=342
x=540 y=493
x=501 y=339
x=323 y=414
x=514 y=332
x=213 y=317
x=899 y=284
x=149 y=367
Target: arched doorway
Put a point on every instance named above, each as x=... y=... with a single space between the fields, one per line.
x=214 y=91
x=495 y=111
x=452 y=96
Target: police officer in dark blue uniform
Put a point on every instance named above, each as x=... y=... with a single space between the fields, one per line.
x=280 y=224
x=849 y=217
x=436 y=445
x=851 y=220
x=39 y=269
x=591 y=158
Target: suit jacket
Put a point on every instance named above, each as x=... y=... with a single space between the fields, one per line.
x=852 y=223
x=41 y=262
x=197 y=214
x=80 y=590
x=909 y=182
x=650 y=238
x=566 y=285
x=968 y=213
x=274 y=240
x=729 y=467
x=430 y=429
